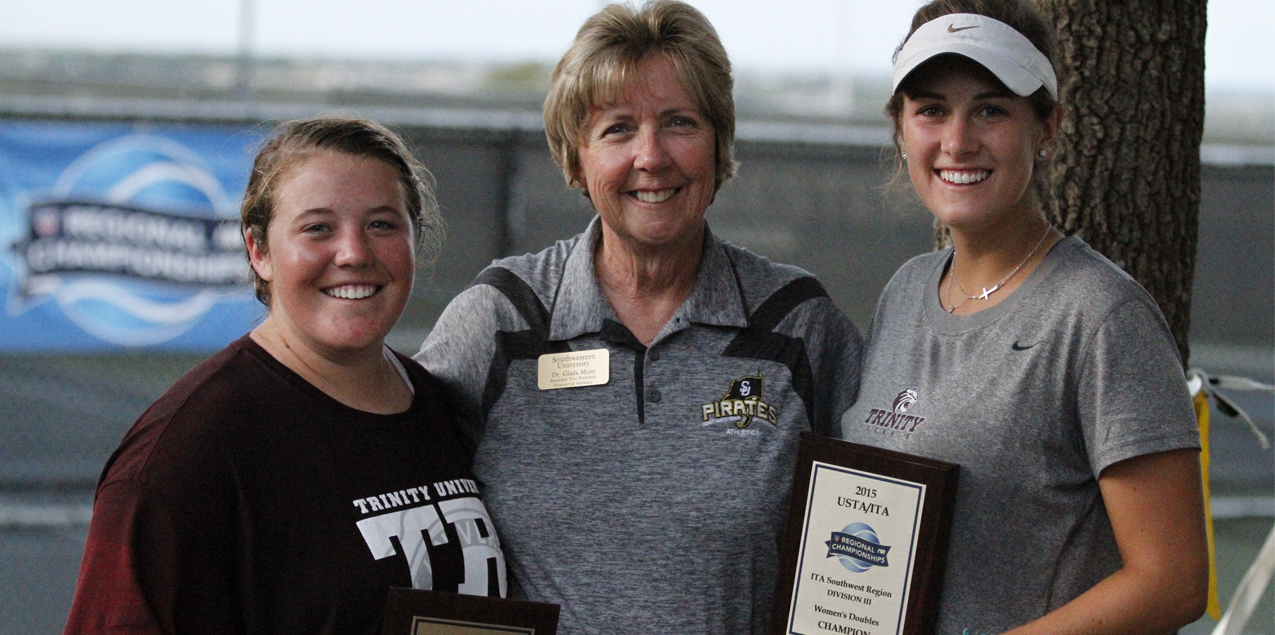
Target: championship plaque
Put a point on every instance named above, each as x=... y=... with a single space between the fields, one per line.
x=416 y=612
x=865 y=543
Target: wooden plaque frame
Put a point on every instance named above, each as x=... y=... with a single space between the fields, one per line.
x=416 y=612
x=925 y=581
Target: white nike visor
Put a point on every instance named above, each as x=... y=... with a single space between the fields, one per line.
x=1001 y=49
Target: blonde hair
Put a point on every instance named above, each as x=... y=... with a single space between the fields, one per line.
x=604 y=57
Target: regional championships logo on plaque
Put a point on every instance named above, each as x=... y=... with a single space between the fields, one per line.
x=858 y=548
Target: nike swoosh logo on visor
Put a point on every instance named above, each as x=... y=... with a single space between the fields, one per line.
x=954 y=29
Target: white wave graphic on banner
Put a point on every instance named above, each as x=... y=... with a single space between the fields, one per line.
x=183 y=166
x=142 y=172
x=164 y=173
x=164 y=320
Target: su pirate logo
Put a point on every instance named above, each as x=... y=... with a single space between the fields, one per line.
x=897 y=419
x=742 y=402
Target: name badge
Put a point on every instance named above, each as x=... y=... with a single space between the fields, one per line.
x=575 y=368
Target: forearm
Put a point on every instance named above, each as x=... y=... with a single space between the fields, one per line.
x=1129 y=602
x=1157 y=516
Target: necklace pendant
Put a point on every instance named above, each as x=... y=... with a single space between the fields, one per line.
x=987 y=292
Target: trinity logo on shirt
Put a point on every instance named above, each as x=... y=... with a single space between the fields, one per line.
x=742 y=402
x=442 y=530
x=896 y=419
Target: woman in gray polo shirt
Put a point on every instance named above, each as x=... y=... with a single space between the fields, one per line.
x=1029 y=359
x=636 y=393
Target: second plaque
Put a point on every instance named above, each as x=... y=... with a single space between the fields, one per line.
x=865 y=543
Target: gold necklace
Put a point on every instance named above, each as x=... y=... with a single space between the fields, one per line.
x=950 y=278
x=331 y=388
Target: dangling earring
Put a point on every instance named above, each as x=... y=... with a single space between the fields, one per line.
x=1043 y=153
x=905 y=156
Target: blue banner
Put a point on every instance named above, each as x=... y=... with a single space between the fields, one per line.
x=117 y=236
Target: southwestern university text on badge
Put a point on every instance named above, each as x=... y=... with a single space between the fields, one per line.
x=574 y=368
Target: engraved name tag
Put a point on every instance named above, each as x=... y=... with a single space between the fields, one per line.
x=575 y=368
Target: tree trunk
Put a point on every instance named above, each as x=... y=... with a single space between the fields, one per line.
x=1126 y=170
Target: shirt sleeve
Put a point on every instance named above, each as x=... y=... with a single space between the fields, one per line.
x=462 y=348
x=108 y=596
x=1132 y=391
x=152 y=567
x=837 y=358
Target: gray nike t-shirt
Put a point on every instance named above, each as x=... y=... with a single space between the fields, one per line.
x=1033 y=397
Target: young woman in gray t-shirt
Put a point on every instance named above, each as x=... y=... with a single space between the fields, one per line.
x=1032 y=361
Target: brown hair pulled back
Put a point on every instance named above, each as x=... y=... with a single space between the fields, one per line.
x=293 y=142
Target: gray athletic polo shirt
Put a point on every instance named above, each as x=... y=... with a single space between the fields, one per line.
x=654 y=503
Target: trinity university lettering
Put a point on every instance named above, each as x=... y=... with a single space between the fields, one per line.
x=896 y=419
x=414 y=495
x=430 y=524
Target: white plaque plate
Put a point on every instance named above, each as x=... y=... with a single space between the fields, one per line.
x=865 y=542
x=855 y=561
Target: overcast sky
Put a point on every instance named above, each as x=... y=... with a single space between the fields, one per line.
x=759 y=34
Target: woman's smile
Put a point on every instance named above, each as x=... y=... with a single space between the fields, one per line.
x=341 y=256
x=353 y=291
x=972 y=146
x=963 y=177
x=648 y=160
x=654 y=196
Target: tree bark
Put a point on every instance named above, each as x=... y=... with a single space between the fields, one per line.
x=1126 y=170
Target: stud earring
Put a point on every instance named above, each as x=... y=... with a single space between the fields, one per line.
x=1043 y=153
x=905 y=156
